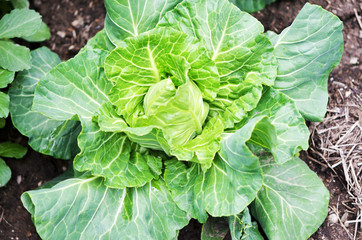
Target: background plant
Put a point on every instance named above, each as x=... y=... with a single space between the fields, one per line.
x=24 y=23
x=122 y=135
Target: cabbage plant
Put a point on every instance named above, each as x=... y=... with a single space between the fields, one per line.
x=251 y=6
x=184 y=109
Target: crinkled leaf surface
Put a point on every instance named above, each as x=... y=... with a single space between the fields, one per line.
x=46 y=135
x=113 y=156
x=307 y=51
x=230 y=184
x=42 y=34
x=4 y=105
x=12 y=150
x=84 y=208
x=203 y=148
x=19 y=23
x=127 y=18
x=6 y=77
x=75 y=87
x=293 y=201
x=292 y=133
x=5 y=173
x=136 y=67
x=234 y=41
x=251 y=5
x=14 y=57
x=181 y=117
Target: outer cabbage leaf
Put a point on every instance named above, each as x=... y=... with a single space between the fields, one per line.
x=114 y=157
x=6 y=77
x=19 y=23
x=100 y=41
x=20 y=3
x=307 y=51
x=241 y=227
x=5 y=173
x=127 y=18
x=4 y=105
x=233 y=180
x=136 y=66
x=292 y=133
x=14 y=57
x=84 y=208
x=2 y=122
x=42 y=34
x=234 y=40
x=46 y=135
x=75 y=87
x=293 y=202
x=12 y=150
x=251 y=5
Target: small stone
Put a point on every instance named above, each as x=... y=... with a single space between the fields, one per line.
x=18 y=179
x=64 y=168
x=353 y=60
x=333 y=218
x=79 y=22
x=61 y=34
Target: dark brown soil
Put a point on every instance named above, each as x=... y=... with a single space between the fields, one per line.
x=73 y=22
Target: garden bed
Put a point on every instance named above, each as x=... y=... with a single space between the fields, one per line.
x=336 y=148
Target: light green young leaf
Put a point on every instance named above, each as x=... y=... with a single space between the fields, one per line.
x=14 y=57
x=293 y=202
x=231 y=183
x=181 y=118
x=12 y=150
x=214 y=229
x=5 y=173
x=203 y=148
x=233 y=111
x=20 y=3
x=75 y=87
x=136 y=67
x=292 y=133
x=234 y=41
x=84 y=208
x=42 y=34
x=127 y=18
x=114 y=157
x=6 y=77
x=46 y=135
x=4 y=105
x=307 y=51
x=251 y=6
x=19 y=23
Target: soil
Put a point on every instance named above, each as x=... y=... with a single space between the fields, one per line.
x=73 y=22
